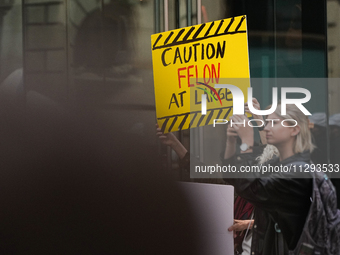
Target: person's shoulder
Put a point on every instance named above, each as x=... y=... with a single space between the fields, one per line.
x=298 y=159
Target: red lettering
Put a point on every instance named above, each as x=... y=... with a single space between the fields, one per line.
x=213 y=71
x=204 y=76
x=190 y=75
x=210 y=74
x=196 y=74
x=180 y=76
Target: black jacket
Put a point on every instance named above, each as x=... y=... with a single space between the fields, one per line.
x=280 y=199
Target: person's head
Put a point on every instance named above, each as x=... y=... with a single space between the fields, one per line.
x=296 y=133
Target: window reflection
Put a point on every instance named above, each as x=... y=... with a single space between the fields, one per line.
x=105 y=39
x=100 y=50
x=10 y=37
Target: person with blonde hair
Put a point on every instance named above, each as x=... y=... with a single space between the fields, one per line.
x=281 y=200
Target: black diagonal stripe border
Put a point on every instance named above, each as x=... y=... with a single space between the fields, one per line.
x=195 y=37
x=177 y=37
x=164 y=124
x=186 y=115
x=240 y=23
x=173 y=124
x=200 y=120
x=192 y=120
x=185 y=38
x=183 y=121
x=182 y=114
x=199 y=30
x=209 y=117
x=227 y=114
x=219 y=113
x=157 y=40
x=210 y=27
x=219 y=27
x=229 y=25
x=168 y=38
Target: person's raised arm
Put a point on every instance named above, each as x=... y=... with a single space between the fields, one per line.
x=244 y=131
x=258 y=119
x=230 y=149
x=171 y=140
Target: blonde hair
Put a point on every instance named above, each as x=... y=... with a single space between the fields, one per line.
x=268 y=153
x=303 y=139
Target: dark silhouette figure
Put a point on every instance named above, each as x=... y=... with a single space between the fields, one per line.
x=70 y=187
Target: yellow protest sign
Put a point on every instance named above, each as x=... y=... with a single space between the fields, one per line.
x=188 y=62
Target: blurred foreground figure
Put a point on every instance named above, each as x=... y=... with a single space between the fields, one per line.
x=67 y=187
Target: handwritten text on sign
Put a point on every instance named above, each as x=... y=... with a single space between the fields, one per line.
x=188 y=62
